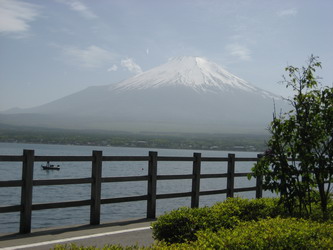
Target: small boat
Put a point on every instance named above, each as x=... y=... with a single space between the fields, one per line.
x=50 y=167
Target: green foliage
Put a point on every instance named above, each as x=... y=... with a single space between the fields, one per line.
x=182 y=224
x=76 y=247
x=106 y=247
x=232 y=211
x=274 y=233
x=299 y=160
x=234 y=224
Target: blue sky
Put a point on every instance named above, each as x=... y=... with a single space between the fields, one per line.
x=50 y=49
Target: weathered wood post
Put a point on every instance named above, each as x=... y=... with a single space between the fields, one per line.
x=196 y=180
x=96 y=186
x=152 y=184
x=259 y=182
x=231 y=175
x=26 y=191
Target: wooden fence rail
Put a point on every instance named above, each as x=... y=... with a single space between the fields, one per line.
x=29 y=158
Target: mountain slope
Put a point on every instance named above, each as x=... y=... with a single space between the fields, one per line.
x=193 y=72
x=187 y=94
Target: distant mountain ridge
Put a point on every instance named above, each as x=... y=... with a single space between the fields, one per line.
x=186 y=94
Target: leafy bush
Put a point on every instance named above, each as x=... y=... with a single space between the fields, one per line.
x=247 y=210
x=236 y=224
x=182 y=224
x=316 y=212
x=107 y=247
x=274 y=233
x=271 y=233
x=299 y=158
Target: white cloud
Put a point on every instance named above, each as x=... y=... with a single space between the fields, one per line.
x=78 y=6
x=131 y=65
x=15 y=16
x=113 y=68
x=90 y=57
x=239 y=51
x=287 y=12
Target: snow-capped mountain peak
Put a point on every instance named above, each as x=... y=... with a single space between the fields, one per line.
x=185 y=94
x=195 y=72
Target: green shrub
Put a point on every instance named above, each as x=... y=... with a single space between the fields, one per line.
x=274 y=233
x=76 y=247
x=271 y=233
x=107 y=247
x=247 y=210
x=182 y=224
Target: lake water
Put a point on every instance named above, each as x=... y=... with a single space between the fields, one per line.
x=9 y=222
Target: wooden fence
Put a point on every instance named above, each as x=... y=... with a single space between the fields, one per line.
x=29 y=158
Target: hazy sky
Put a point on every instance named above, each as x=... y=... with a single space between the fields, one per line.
x=52 y=48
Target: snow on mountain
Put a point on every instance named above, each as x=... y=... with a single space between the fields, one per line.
x=185 y=94
x=194 y=72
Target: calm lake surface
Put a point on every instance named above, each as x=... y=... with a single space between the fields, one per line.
x=9 y=222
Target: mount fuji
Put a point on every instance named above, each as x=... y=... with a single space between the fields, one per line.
x=186 y=94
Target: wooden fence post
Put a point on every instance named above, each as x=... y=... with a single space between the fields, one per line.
x=96 y=186
x=231 y=175
x=152 y=183
x=26 y=191
x=259 y=182
x=196 y=180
